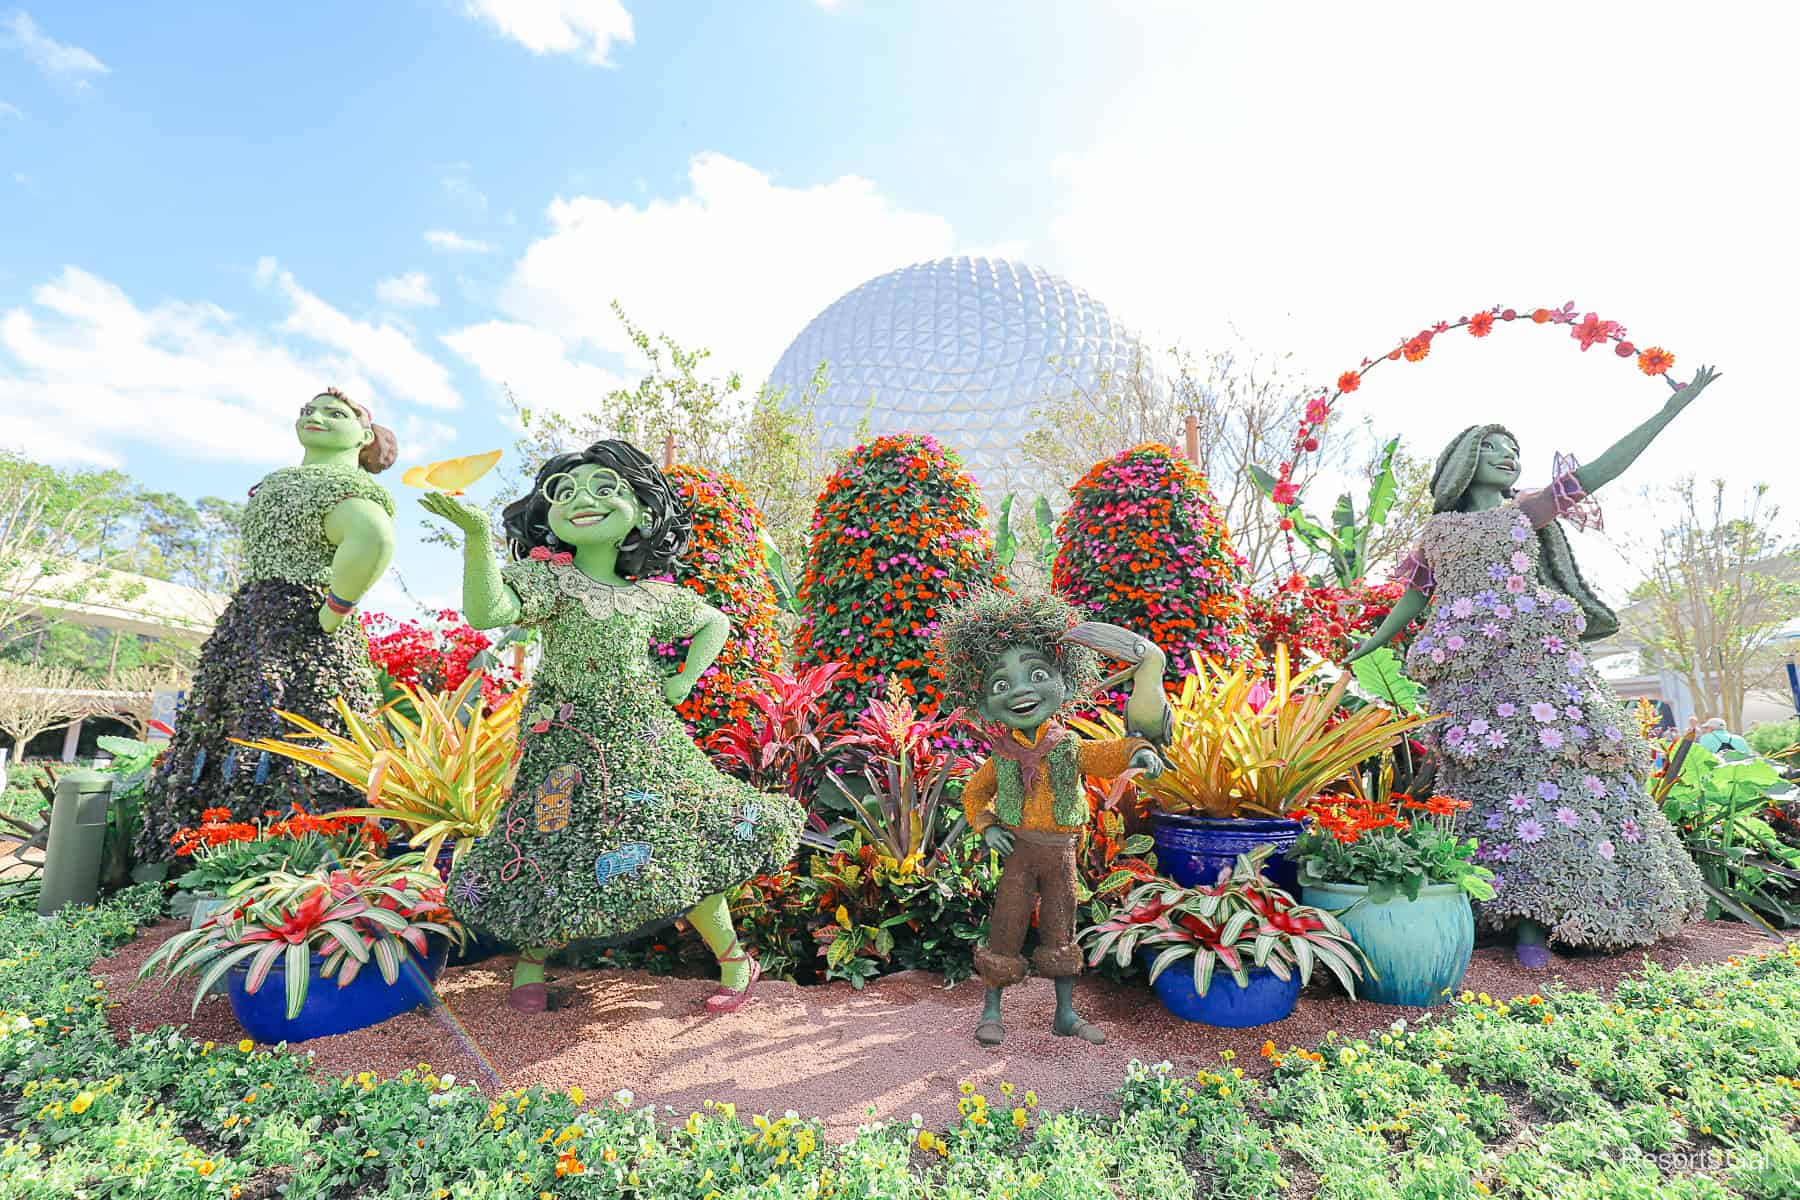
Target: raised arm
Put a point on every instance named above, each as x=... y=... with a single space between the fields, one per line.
x=1412 y=602
x=363 y=533
x=1621 y=454
x=487 y=601
x=706 y=639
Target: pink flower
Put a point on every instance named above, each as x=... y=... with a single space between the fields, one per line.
x=1519 y=802
x=1567 y=817
x=1515 y=584
x=1502 y=611
x=1463 y=608
x=1595 y=787
x=1319 y=407
x=1550 y=737
x=1605 y=850
x=1496 y=738
x=1285 y=493
x=1543 y=711
x=1455 y=642
x=1632 y=831
x=1519 y=561
x=1592 y=330
x=1505 y=708
x=1530 y=831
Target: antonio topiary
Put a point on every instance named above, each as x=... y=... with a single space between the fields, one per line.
x=724 y=565
x=1142 y=545
x=898 y=534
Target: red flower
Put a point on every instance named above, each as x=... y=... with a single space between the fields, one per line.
x=1655 y=361
x=1417 y=348
x=1592 y=331
x=1481 y=324
x=1285 y=493
x=1349 y=381
x=1319 y=407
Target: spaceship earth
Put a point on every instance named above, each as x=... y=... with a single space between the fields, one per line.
x=965 y=349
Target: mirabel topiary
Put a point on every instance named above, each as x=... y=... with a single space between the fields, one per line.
x=1142 y=545
x=898 y=534
x=724 y=565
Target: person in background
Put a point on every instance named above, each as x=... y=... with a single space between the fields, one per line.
x=1715 y=737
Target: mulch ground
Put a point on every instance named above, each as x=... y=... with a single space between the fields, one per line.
x=898 y=1046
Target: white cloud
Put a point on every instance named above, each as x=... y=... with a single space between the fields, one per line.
x=456 y=243
x=10 y=110
x=411 y=290
x=585 y=28
x=535 y=364
x=385 y=351
x=54 y=57
x=85 y=371
x=1333 y=193
x=739 y=264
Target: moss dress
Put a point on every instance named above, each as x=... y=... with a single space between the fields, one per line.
x=267 y=652
x=617 y=823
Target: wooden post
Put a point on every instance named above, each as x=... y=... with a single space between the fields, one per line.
x=71 y=740
x=1193 y=439
x=668 y=451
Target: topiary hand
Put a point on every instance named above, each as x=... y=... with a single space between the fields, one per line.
x=1686 y=395
x=472 y=521
x=1148 y=761
x=999 y=839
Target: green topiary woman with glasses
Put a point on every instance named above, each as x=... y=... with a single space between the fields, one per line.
x=617 y=822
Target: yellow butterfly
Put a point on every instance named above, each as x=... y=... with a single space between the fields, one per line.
x=453 y=474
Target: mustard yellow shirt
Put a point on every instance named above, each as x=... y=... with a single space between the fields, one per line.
x=1106 y=758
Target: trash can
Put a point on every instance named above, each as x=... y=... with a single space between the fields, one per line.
x=77 y=836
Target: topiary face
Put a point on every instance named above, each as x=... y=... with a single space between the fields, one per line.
x=1022 y=689
x=592 y=506
x=329 y=423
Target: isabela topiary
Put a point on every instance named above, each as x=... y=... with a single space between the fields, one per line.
x=724 y=565
x=1142 y=545
x=898 y=534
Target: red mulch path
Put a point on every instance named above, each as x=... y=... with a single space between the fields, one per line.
x=899 y=1046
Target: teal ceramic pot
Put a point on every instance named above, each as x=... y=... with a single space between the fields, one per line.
x=1419 y=948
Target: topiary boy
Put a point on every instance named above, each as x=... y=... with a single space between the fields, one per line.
x=1018 y=661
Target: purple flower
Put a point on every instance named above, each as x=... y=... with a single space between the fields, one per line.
x=1505 y=708
x=1515 y=586
x=1573 y=712
x=1438 y=656
x=1519 y=561
x=1550 y=737
x=1463 y=608
x=1605 y=850
x=1576 y=662
x=1503 y=853
x=1580 y=622
x=1455 y=736
x=1520 y=533
x=1567 y=817
x=1519 y=802
x=1496 y=571
x=1455 y=642
x=1496 y=738
x=1490 y=630
x=1572 y=693
x=1632 y=831
x=1525 y=604
x=1530 y=831
x=1498 y=881
x=1477 y=727
x=1578 y=733
x=1554 y=644
x=1487 y=597
x=1613 y=734
x=1563 y=606
x=1496 y=820
x=1543 y=712
x=1549 y=791
x=1593 y=784
x=1501 y=611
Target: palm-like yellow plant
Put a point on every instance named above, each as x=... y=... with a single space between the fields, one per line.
x=444 y=776
x=1245 y=745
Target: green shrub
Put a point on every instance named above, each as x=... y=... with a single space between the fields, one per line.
x=1772 y=737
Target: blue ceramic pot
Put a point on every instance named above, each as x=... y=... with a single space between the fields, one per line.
x=1418 y=948
x=367 y=1000
x=1226 y=1004
x=1193 y=850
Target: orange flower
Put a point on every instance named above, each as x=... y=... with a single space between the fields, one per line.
x=1481 y=324
x=1417 y=348
x=1540 y=315
x=1349 y=381
x=1655 y=361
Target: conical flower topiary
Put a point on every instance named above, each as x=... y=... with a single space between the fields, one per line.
x=724 y=565
x=1142 y=545
x=899 y=532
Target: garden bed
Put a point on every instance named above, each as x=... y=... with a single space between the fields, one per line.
x=900 y=1045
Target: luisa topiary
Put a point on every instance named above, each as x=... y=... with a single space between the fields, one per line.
x=1142 y=545
x=898 y=534
x=723 y=563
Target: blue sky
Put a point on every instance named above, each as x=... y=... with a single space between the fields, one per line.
x=208 y=209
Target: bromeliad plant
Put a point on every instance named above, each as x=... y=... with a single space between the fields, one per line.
x=1388 y=842
x=444 y=776
x=1247 y=745
x=380 y=910
x=1241 y=923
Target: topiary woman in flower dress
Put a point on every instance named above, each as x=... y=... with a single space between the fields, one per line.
x=317 y=537
x=617 y=823
x=1532 y=736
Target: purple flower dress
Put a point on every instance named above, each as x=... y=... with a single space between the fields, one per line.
x=1536 y=740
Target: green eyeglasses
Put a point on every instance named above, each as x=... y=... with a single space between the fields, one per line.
x=565 y=488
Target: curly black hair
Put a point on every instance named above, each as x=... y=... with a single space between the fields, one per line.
x=527 y=519
x=987 y=622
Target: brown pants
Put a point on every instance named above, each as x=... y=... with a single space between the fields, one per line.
x=1041 y=868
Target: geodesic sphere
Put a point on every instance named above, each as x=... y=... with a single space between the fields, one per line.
x=963 y=348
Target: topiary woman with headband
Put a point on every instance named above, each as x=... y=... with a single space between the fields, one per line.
x=617 y=823
x=316 y=538
x=1532 y=736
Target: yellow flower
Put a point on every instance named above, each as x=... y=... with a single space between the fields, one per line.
x=246 y=1046
x=925 y=1139
x=205 y=1166
x=577 y=1096
x=81 y=1103
x=966 y=1088
x=1019 y=1118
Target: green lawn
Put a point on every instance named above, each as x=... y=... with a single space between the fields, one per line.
x=1686 y=1084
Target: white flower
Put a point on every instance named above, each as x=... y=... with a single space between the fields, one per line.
x=623 y=1096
